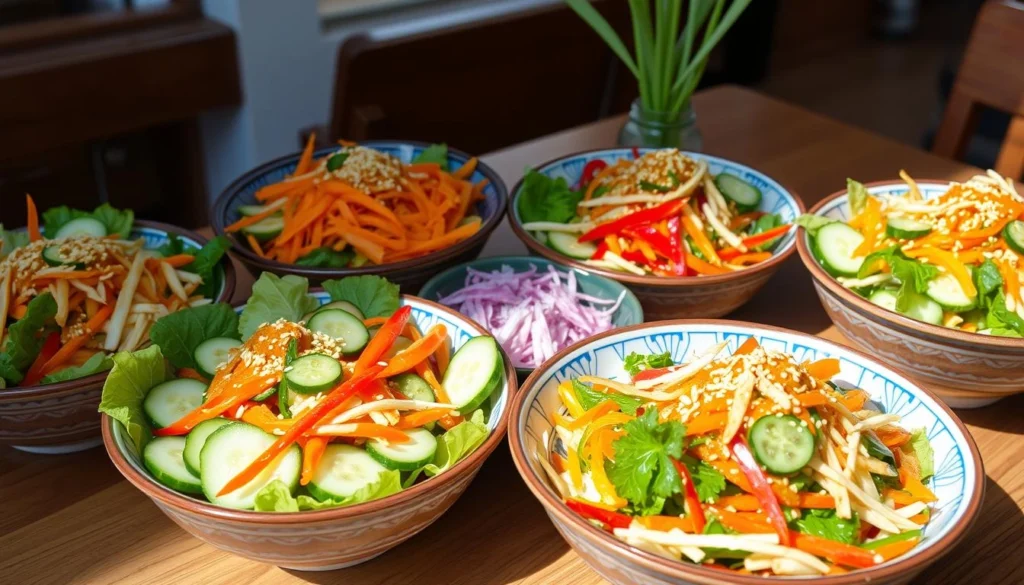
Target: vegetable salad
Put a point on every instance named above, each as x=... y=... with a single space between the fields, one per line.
x=956 y=260
x=77 y=288
x=293 y=406
x=359 y=205
x=750 y=462
x=662 y=213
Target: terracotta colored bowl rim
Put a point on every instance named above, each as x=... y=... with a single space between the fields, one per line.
x=889 y=317
x=231 y=192
x=78 y=384
x=648 y=279
x=169 y=497
x=682 y=570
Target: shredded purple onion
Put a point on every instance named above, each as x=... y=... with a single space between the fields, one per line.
x=533 y=315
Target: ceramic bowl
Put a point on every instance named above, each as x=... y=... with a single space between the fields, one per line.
x=408 y=274
x=629 y=312
x=967 y=370
x=675 y=297
x=62 y=417
x=958 y=481
x=333 y=538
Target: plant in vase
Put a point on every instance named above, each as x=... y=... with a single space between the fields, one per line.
x=667 y=63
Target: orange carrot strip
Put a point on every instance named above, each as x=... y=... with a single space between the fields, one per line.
x=312 y=452
x=417 y=353
x=74 y=344
x=418 y=419
x=305 y=161
x=33 y=219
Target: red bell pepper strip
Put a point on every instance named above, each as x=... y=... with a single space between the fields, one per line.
x=675 y=237
x=760 y=486
x=755 y=240
x=384 y=339
x=602 y=247
x=651 y=373
x=336 y=397
x=590 y=171
x=35 y=371
x=693 y=508
x=636 y=152
x=611 y=520
x=637 y=218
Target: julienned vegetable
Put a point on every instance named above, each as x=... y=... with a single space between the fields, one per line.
x=533 y=315
x=77 y=288
x=662 y=213
x=749 y=462
x=297 y=415
x=956 y=260
x=360 y=205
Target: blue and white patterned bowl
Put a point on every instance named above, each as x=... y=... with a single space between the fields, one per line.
x=408 y=274
x=967 y=370
x=675 y=297
x=958 y=481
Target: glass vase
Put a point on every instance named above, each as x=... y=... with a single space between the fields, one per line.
x=651 y=129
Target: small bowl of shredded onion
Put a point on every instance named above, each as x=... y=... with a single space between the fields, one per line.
x=532 y=306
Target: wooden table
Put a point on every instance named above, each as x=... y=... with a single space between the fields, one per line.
x=73 y=519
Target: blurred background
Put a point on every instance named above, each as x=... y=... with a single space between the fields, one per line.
x=158 y=105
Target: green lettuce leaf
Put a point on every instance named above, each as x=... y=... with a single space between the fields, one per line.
x=435 y=153
x=545 y=199
x=923 y=451
x=117 y=221
x=454 y=446
x=54 y=218
x=813 y=223
x=326 y=258
x=825 y=524
x=913 y=276
x=638 y=362
x=175 y=245
x=999 y=317
x=99 y=362
x=11 y=240
x=8 y=373
x=856 y=195
x=276 y=497
x=205 y=265
x=180 y=333
x=26 y=336
x=275 y=298
x=643 y=470
x=134 y=374
x=988 y=280
x=373 y=295
x=589 y=398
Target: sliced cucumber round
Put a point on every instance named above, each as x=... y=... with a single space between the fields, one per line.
x=210 y=354
x=343 y=326
x=905 y=228
x=195 y=440
x=265 y=229
x=885 y=298
x=344 y=306
x=313 y=373
x=1014 y=235
x=923 y=308
x=414 y=387
x=168 y=402
x=569 y=245
x=53 y=257
x=251 y=210
x=163 y=457
x=474 y=373
x=399 y=345
x=415 y=453
x=83 y=226
x=945 y=289
x=469 y=219
x=746 y=196
x=343 y=470
x=783 y=444
x=836 y=243
x=232 y=448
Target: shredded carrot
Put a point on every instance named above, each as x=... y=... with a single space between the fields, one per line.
x=33 y=219
x=312 y=452
x=92 y=326
x=306 y=160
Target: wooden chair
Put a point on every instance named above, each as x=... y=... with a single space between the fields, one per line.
x=992 y=75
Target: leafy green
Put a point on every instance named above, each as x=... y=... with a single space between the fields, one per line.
x=180 y=333
x=713 y=526
x=638 y=362
x=133 y=376
x=99 y=362
x=26 y=336
x=175 y=245
x=589 y=398
x=912 y=275
x=455 y=445
x=826 y=524
x=643 y=470
x=276 y=497
x=54 y=218
x=856 y=195
x=923 y=450
x=374 y=296
x=11 y=240
x=649 y=186
x=1001 y=318
x=545 y=199
x=8 y=373
x=205 y=265
x=115 y=220
x=988 y=280
x=708 y=482
x=762 y=224
x=325 y=257
x=336 y=160
x=273 y=298
x=1003 y=332
x=813 y=223
x=435 y=153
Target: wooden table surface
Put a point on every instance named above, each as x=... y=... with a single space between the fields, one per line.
x=73 y=519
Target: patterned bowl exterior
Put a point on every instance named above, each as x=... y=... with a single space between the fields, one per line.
x=629 y=312
x=334 y=538
x=62 y=417
x=958 y=482
x=674 y=297
x=967 y=370
x=408 y=274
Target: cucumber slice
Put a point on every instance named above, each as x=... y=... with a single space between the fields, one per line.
x=409 y=456
x=341 y=325
x=469 y=219
x=210 y=354
x=262 y=396
x=166 y=403
x=946 y=290
x=195 y=440
x=781 y=443
x=746 y=196
x=414 y=387
x=265 y=229
x=569 y=245
x=399 y=345
x=359 y=260
x=884 y=298
x=163 y=458
x=836 y=243
x=251 y=210
x=83 y=226
x=924 y=309
x=906 y=228
x=343 y=470
x=1014 y=235
x=474 y=373
x=52 y=256
x=232 y=448
x=344 y=306
x=313 y=373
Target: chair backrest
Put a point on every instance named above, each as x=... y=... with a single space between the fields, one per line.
x=992 y=75
x=482 y=85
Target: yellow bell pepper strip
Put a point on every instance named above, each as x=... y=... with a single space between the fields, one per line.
x=611 y=520
x=572 y=404
x=870 y=221
x=384 y=339
x=700 y=240
x=648 y=215
x=418 y=352
x=762 y=490
x=948 y=261
x=594 y=413
x=575 y=472
x=693 y=509
x=601 y=482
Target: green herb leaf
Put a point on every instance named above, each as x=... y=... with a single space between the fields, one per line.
x=99 y=362
x=638 y=362
x=275 y=298
x=912 y=275
x=276 y=497
x=922 y=448
x=455 y=445
x=545 y=199
x=326 y=257
x=11 y=240
x=708 y=482
x=988 y=281
x=336 y=161
x=435 y=153
x=813 y=223
x=175 y=245
x=643 y=468
x=762 y=224
x=26 y=336
x=589 y=398
x=649 y=186
x=133 y=376
x=825 y=524
x=116 y=221
x=205 y=265
x=999 y=317
x=180 y=333
x=374 y=296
